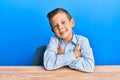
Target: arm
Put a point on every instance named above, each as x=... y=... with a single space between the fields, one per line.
x=53 y=59
x=86 y=61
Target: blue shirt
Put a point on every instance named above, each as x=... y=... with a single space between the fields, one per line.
x=52 y=60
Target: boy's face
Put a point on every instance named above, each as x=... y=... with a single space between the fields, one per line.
x=62 y=25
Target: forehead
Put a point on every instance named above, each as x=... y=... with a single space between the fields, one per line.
x=59 y=16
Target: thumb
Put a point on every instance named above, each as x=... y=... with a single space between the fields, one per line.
x=59 y=45
x=76 y=46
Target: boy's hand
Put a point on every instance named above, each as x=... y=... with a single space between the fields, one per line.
x=77 y=51
x=60 y=49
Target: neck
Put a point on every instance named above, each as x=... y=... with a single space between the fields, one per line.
x=66 y=41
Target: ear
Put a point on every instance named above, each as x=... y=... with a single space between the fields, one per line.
x=72 y=22
x=51 y=27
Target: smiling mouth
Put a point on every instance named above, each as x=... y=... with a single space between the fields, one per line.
x=62 y=33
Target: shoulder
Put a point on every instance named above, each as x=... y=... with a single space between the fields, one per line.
x=82 y=40
x=54 y=38
x=81 y=37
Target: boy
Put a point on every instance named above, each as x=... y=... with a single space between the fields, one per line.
x=67 y=48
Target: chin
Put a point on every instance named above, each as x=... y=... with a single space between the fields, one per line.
x=64 y=37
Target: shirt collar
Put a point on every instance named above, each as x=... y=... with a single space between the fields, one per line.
x=74 y=39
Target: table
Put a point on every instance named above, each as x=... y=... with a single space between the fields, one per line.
x=39 y=73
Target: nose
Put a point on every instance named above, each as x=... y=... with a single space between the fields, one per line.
x=60 y=26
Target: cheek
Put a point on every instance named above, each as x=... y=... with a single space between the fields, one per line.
x=56 y=32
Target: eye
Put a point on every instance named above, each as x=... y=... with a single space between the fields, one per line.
x=63 y=22
x=55 y=27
